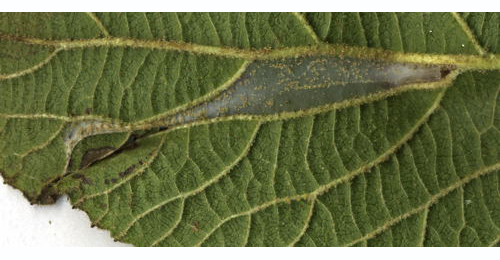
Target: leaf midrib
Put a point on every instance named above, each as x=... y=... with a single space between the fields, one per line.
x=486 y=61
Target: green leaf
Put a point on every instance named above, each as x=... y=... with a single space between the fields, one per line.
x=258 y=129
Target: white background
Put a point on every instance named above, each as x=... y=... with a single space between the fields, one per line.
x=22 y=224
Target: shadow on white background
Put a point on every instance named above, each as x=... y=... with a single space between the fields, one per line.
x=22 y=224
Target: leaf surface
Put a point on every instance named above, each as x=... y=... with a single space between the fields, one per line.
x=268 y=129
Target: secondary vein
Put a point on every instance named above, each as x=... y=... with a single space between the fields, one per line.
x=469 y=33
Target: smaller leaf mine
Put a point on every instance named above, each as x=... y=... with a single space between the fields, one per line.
x=78 y=131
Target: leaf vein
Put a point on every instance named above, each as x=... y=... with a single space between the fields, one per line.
x=176 y=224
x=126 y=179
x=99 y=24
x=462 y=61
x=306 y=223
x=201 y=188
x=307 y=26
x=33 y=68
x=427 y=205
x=463 y=24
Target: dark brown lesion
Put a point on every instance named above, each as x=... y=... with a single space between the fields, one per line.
x=128 y=171
x=110 y=181
x=129 y=144
x=49 y=195
x=445 y=71
x=94 y=154
x=82 y=177
x=88 y=111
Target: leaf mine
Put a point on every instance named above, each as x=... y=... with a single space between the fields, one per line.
x=297 y=85
x=272 y=89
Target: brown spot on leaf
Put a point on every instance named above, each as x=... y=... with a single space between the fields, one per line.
x=49 y=195
x=128 y=171
x=70 y=162
x=92 y=155
x=87 y=181
x=195 y=226
x=77 y=176
x=445 y=72
x=82 y=177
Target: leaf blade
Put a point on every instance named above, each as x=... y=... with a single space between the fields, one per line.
x=376 y=172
